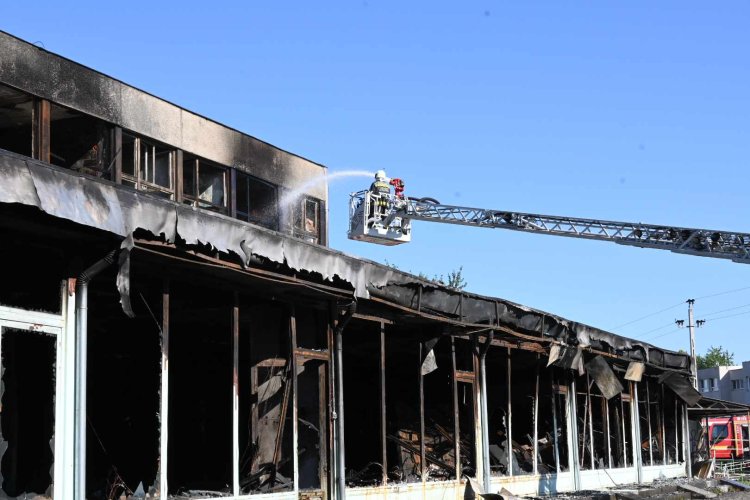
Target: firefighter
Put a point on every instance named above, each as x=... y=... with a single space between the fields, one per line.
x=380 y=190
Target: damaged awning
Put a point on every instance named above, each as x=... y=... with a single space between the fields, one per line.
x=119 y=210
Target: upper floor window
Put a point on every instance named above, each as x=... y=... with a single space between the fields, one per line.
x=714 y=384
x=738 y=384
x=148 y=166
x=204 y=185
x=705 y=384
x=16 y=121
x=256 y=201
x=307 y=219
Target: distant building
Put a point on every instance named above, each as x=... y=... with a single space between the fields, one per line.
x=730 y=383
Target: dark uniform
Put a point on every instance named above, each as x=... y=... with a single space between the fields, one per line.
x=383 y=189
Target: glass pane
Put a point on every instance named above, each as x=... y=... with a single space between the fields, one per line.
x=163 y=167
x=263 y=206
x=243 y=201
x=128 y=154
x=147 y=162
x=188 y=176
x=211 y=184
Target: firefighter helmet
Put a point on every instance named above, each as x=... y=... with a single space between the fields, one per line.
x=380 y=175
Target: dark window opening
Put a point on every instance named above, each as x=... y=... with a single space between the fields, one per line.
x=312 y=328
x=524 y=368
x=200 y=390
x=311 y=423
x=402 y=407
x=670 y=426
x=204 y=185
x=362 y=407
x=16 y=121
x=438 y=411
x=123 y=390
x=547 y=432
x=496 y=364
x=27 y=423
x=80 y=142
x=256 y=201
x=560 y=385
x=148 y=166
x=265 y=399
x=466 y=421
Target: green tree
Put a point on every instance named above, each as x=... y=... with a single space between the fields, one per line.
x=715 y=356
x=455 y=279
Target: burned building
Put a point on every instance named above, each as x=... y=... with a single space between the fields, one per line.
x=173 y=324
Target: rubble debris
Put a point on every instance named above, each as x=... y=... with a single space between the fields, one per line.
x=694 y=490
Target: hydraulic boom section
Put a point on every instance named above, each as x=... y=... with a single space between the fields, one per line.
x=392 y=226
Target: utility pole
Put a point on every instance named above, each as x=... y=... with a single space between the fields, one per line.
x=691 y=327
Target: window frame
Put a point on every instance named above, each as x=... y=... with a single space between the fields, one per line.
x=193 y=197
x=244 y=215
x=299 y=217
x=140 y=181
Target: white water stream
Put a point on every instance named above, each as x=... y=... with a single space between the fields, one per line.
x=292 y=196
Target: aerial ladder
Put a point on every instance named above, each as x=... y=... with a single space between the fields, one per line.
x=386 y=219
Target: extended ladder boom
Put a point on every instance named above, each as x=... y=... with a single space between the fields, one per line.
x=701 y=242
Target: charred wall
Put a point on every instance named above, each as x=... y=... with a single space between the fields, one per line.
x=49 y=76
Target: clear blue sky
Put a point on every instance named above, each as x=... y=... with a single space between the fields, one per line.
x=634 y=111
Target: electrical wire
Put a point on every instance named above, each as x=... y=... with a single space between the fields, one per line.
x=648 y=316
x=723 y=293
x=727 y=316
x=725 y=310
x=665 y=334
x=642 y=335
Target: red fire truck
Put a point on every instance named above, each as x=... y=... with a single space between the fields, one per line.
x=729 y=437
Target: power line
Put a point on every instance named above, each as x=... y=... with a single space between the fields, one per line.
x=723 y=293
x=729 y=316
x=671 y=323
x=665 y=334
x=647 y=316
x=725 y=310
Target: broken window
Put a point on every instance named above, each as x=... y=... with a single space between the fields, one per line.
x=256 y=201
x=440 y=449
x=497 y=364
x=311 y=334
x=204 y=184
x=362 y=408
x=465 y=392
x=16 y=121
x=523 y=382
x=200 y=390
x=266 y=400
x=403 y=366
x=560 y=380
x=148 y=166
x=80 y=142
x=591 y=412
x=27 y=422
x=548 y=426
x=621 y=430
x=651 y=421
x=307 y=219
x=123 y=389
